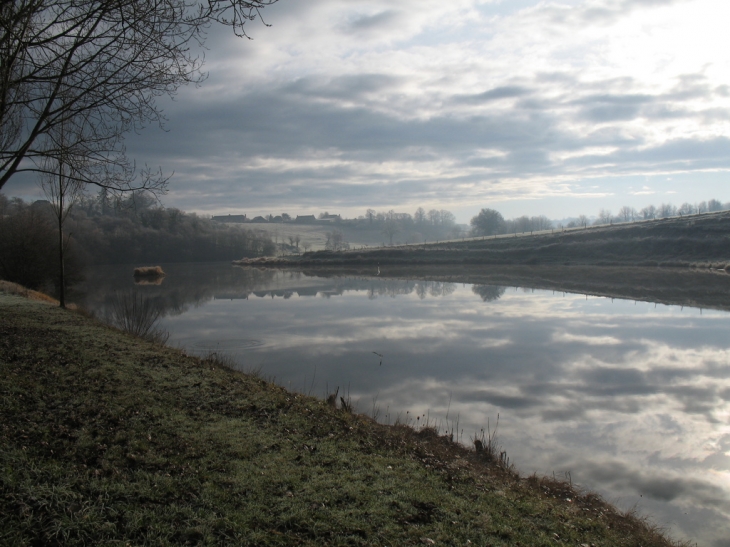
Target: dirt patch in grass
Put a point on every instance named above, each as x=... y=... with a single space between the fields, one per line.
x=111 y=440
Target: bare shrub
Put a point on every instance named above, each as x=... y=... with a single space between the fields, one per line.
x=487 y=447
x=137 y=315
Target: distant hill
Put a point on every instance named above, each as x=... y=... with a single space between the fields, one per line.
x=696 y=240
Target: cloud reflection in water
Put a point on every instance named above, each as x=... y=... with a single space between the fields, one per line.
x=633 y=400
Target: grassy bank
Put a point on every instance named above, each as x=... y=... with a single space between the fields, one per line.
x=110 y=440
x=700 y=240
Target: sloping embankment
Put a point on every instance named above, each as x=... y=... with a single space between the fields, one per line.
x=701 y=240
x=110 y=440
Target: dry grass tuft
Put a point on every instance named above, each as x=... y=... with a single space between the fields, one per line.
x=14 y=288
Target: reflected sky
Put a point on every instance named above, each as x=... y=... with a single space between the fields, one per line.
x=631 y=398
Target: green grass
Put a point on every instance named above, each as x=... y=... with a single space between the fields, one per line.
x=107 y=439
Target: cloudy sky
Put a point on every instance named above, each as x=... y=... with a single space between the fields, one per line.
x=530 y=107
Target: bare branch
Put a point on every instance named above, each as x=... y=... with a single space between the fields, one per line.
x=96 y=68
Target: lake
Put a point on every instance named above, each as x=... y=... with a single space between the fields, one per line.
x=627 y=398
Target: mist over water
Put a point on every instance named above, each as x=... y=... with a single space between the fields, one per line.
x=632 y=399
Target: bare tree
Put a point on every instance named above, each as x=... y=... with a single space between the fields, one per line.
x=434 y=217
x=390 y=228
x=447 y=218
x=540 y=223
x=714 y=205
x=604 y=217
x=583 y=220
x=97 y=67
x=335 y=241
x=62 y=189
x=687 y=209
x=627 y=213
x=420 y=215
x=666 y=210
x=648 y=212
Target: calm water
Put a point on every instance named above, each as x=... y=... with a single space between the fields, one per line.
x=632 y=399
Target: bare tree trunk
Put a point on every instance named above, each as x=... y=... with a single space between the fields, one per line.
x=62 y=280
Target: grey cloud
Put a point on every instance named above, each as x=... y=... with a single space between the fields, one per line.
x=682 y=154
x=602 y=13
x=658 y=487
x=615 y=99
x=372 y=22
x=495 y=94
x=498 y=399
x=343 y=87
x=611 y=381
x=722 y=90
x=602 y=114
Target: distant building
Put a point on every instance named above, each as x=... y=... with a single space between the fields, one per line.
x=330 y=218
x=259 y=220
x=303 y=219
x=277 y=219
x=230 y=218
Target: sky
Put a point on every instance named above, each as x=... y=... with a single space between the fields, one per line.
x=557 y=108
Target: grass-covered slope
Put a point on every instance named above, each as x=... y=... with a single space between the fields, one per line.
x=109 y=440
x=702 y=240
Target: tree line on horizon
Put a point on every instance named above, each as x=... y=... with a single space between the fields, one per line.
x=491 y=222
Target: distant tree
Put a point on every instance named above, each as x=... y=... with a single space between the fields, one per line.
x=487 y=222
x=540 y=223
x=420 y=215
x=521 y=224
x=604 y=217
x=447 y=218
x=649 y=212
x=666 y=210
x=335 y=241
x=297 y=239
x=627 y=213
x=27 y=250
x=370 y=213
x=434 y=217
x=306 y=245
x=390 y=228
x=713 y=205
x=702 y=207
x=488 y=293
x=686 y=209
x=285 y=216
x=583 y=220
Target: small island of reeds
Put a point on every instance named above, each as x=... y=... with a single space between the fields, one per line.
x=149 y=272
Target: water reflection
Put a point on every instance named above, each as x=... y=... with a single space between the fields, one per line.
x=631 y=398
